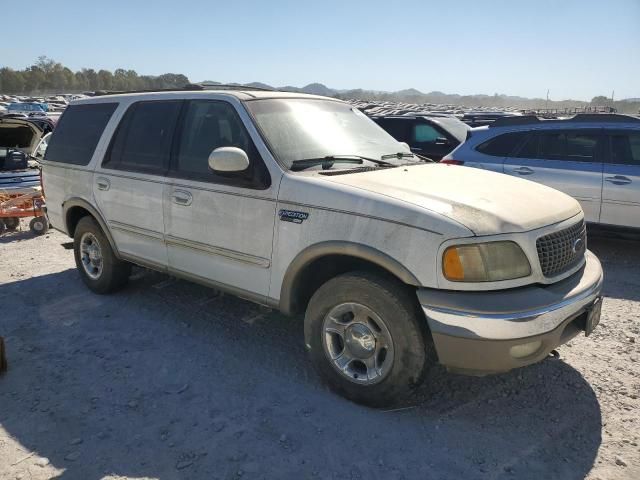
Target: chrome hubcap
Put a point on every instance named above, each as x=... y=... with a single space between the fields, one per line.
x=91 y=255
x=358 y=343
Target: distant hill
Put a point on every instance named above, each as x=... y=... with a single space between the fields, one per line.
x=412 y=95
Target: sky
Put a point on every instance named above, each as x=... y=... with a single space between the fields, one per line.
x=574 y=48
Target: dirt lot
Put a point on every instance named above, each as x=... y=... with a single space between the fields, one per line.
x=169 y=380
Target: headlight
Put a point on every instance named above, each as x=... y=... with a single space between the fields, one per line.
x=485 y=262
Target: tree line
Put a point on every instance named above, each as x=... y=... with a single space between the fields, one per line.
x=46 y=76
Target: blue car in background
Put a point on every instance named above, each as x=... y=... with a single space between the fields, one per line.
x=27 y=108
x=595 y=158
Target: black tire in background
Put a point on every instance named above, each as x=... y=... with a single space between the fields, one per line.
x=12 y=223
x=114 y=273
x=39 y=225
x=397 y=314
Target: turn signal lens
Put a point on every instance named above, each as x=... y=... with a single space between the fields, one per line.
x=452 y=265
x=485 y=262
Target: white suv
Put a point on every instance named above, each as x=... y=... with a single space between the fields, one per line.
x=304 y=204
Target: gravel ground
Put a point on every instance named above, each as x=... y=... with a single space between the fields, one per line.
x=171 y=380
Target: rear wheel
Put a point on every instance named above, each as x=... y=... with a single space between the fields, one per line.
x=99 y=268
x=39 y=225
x=368 y=339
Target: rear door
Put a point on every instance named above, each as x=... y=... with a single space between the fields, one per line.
x=621 y=187
x=129 y=185
x=567 y=160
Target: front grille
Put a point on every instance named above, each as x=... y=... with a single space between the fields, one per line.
x=563 y=250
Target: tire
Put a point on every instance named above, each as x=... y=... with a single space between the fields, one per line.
x=3 y=227
x=99 y=268
x=39 y=225
x=12 y=223
x=394 y=339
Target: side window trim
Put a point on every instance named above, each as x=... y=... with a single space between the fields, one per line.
x=234 y=181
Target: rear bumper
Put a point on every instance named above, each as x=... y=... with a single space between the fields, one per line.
x=475 y=332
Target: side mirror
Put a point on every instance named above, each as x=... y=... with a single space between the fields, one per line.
x=228 y=159
x=406 y=145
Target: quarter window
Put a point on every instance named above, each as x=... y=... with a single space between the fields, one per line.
x=143 y=140
x=502 y=145
x=78 y=132
x=625 y=149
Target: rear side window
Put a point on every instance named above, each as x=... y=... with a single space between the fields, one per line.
x=78 y=132
x=142 y=142
x=561 y=145
x=625 y=149
x=576 y=147
x=502 y=145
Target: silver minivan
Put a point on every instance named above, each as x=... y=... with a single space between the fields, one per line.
x=594 y=158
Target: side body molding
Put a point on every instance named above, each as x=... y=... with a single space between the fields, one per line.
x=79 y=202
x=342 y=248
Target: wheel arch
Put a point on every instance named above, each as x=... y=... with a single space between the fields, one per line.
x=319 y=262
x=76 y=208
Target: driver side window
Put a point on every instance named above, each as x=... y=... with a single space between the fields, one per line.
x=206 y=126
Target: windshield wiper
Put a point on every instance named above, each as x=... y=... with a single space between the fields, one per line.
x=328 y=161
x=400 y=155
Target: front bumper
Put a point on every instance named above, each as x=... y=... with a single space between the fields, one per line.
x=474 y=332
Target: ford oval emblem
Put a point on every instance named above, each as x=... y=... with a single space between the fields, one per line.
x=578 y=245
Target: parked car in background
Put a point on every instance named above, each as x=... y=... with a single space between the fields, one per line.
x=395 y=262
x=27 y=108
x=432 y=136
x=595 y=158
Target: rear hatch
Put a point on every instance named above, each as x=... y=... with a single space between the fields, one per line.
x=23 y=135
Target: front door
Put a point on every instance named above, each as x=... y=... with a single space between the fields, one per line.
x=129 y=185
x=219 y=227
x=567 y=160
x=621 y=188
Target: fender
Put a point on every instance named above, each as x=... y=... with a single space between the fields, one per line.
x=79 y=202
x=347 y=249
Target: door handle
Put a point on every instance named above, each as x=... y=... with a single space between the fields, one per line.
x=182 y=197
x=618 y=180
x=416 y=149
x=103 y=183
x=523 y=171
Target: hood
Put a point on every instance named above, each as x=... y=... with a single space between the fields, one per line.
x=486 y=202
x=21 y=134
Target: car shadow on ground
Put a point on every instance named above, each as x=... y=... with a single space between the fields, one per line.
x=168 y=379
x=16 y=235
x=619 y=255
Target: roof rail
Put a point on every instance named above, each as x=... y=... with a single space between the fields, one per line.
x=187 y=87
x=516 y=120
x=603 y=117
x=578 y=117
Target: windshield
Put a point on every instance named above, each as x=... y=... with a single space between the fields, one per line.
x=303 y=129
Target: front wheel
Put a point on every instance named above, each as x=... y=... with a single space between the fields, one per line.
x=98 y=265
x=367 y=338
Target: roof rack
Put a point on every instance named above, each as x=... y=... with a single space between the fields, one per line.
x=579 y=117
x=190 y=87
